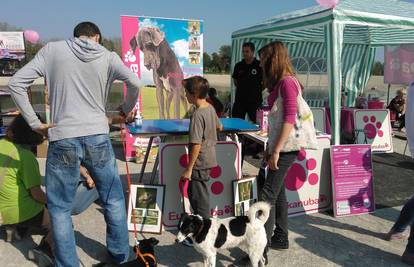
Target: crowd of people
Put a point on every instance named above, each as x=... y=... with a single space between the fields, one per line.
x=81 y=166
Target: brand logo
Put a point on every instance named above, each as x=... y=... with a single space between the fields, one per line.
x=129 y=57
x=308 y=202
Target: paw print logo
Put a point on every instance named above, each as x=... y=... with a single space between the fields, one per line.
x=372 y=127
x=217 y=186
x=129 y=56
x=299 y=172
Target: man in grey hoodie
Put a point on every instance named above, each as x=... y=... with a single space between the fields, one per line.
x=79 y=73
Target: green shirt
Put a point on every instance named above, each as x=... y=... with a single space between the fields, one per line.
x=21 y=174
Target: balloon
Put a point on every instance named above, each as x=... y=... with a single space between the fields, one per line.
x=328 y=3
x=31 y=36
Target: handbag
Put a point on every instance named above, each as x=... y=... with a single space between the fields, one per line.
x=303 y=135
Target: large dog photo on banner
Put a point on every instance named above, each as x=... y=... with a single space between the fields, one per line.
x=167 y=72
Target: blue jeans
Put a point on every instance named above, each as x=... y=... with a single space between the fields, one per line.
x=405 y=219
x=62 y=178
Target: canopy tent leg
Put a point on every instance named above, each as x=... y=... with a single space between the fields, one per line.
x=334 y=43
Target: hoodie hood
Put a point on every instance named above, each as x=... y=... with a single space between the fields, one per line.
x=85 y=50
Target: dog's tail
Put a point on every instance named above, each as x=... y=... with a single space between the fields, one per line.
x=259 y=210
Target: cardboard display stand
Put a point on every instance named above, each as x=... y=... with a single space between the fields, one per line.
x=173 y=159
x=307 y=182
x=373 y=127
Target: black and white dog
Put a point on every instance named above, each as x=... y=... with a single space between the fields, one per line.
x=212 y=234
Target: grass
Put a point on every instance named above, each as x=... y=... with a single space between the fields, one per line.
x=150 y=105
x=149 y=100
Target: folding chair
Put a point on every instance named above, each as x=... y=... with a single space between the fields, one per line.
x=356 y=134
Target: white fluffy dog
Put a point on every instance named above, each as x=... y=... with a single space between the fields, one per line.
x=211 y=234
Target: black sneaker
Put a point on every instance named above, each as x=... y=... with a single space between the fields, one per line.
x=279 y=242
x=42 y=254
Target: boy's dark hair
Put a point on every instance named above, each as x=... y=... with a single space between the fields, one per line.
x=249 y=45
x=19 y=132
x=88 y=29
x=197 y=86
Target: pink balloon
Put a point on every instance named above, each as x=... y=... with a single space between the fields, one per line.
x=31 y=36
x=328 y=3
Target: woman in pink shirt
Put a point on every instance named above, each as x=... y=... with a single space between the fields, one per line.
x=279 y=78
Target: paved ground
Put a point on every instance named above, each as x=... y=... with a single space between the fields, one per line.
x=316 y=240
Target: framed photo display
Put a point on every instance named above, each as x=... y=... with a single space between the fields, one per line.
x=245 y=194
x=146 y=204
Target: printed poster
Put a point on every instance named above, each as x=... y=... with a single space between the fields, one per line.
x=399 y=64
x=12 y=45
x=162 y=52
x=352 y=180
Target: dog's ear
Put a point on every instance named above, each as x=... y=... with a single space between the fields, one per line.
x=182 y=218
x=157 y=36
x=154 y=241
x=133 y=44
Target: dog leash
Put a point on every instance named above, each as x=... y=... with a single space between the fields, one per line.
x=123 y=130
x=142 y=257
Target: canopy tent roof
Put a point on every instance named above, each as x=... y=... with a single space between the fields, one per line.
x=346 y=36
x=367 y=22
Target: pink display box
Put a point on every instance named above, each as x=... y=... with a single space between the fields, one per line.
x=375 y=104
x=262 y=118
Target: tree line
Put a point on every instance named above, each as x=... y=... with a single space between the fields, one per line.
x=216 y=62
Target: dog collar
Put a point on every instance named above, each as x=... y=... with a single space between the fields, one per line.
x=142 y=257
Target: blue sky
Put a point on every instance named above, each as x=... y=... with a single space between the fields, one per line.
x=56 y=18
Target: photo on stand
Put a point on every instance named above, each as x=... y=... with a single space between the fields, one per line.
x=145 y=210
x=245 y=194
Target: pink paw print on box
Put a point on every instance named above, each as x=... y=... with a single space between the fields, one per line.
x=216 y=187
x=372 y=127
x=300 y=172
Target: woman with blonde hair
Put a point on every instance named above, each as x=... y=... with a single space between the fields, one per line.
x=397 y=106
x=290 y=129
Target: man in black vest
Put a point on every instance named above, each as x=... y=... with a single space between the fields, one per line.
x=247 y=76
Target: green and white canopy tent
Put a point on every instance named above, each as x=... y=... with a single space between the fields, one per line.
x=346 y=36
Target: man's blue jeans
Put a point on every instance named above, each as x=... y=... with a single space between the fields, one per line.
x=406 y=219
x=62 y=177
x=84 y=198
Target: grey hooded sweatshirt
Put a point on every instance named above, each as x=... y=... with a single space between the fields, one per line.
x=79 y=74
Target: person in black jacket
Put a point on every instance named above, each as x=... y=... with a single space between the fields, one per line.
x=247 y=77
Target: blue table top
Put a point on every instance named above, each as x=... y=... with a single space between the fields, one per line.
x=180 y=127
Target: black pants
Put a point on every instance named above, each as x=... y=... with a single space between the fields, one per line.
x=241 y=108
x=273 y=191
x=401 y=120
x=198 y=193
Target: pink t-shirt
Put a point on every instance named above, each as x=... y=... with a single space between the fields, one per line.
x=289 y=91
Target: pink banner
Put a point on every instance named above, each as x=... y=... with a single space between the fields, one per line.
x=399 y=64
x=352 y=180
x=129 y=27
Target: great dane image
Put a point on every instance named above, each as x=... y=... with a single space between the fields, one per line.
x=167 y=73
